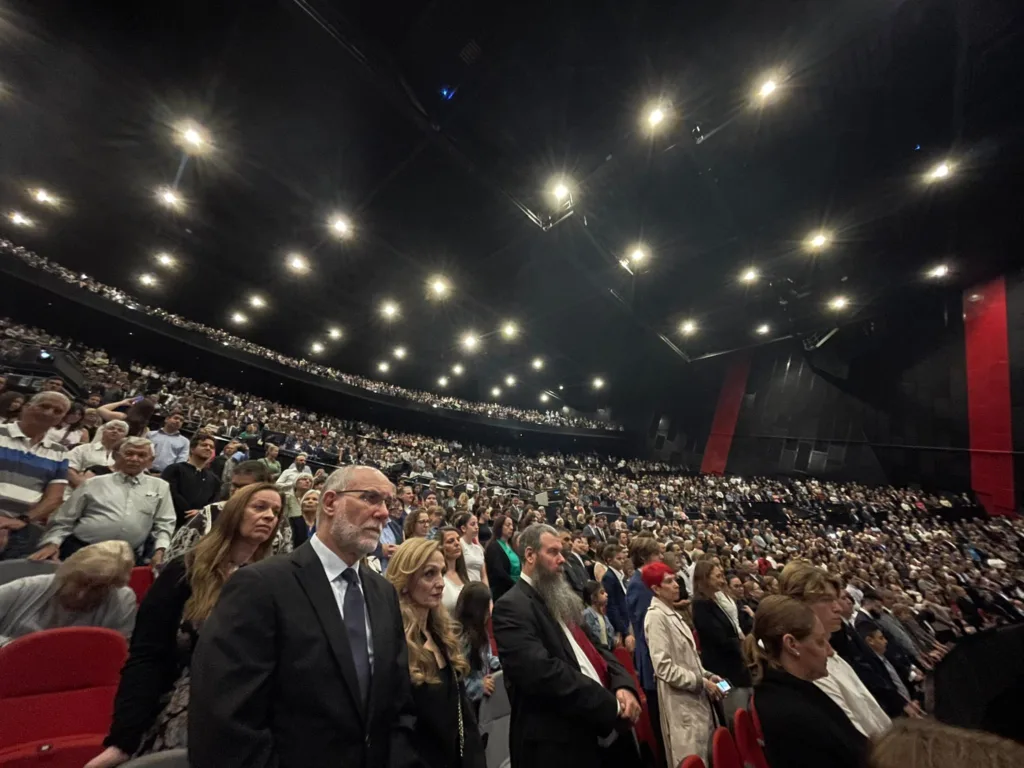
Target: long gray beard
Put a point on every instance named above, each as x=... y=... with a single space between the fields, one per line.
x=564 y=604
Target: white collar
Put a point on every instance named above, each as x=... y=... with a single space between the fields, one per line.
x=333 y=565
x=527 y=578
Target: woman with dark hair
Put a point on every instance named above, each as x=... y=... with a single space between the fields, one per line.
x=455 y=576
x=140 y=411
x=151 y=708
x=91 y=422
x=467 y=525
x=417 y=524
x=473 y=612
x=10 y=406
x=500 y=558
x=70 y=432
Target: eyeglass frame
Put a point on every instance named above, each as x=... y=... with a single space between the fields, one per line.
x=389 y=502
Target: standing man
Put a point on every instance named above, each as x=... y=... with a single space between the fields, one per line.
x=33 y=474
x=575 y=569
x=303 y=662
x=391 y=536
x=614 y=583
x=192 y=485
x=128 y=505
x=286 y=481
x=572 y=704
x=169 y=445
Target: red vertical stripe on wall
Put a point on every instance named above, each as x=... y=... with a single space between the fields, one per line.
x=988 y=396
x=716 y=452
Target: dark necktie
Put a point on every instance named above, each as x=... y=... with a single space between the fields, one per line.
x=355 y=628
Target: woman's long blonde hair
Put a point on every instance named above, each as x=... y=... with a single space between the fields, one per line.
x=206 y=566
x=403 y=566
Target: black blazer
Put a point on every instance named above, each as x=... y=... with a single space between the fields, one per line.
x=300 y=531
x=558 y=713
x=855 y=650
x=618 y=613
x=274 y=684
x=719 y=644
x=575 y=573
x=499 y=570
x=803 y=727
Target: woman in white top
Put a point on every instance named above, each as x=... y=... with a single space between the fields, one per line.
x=473 y=553
x=455 y=577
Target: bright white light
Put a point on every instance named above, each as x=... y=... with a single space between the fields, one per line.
x=257 y=301
x=239 y=319
x=496 y=392
x=165 y=259
x=655 y=117
x=297 y=263
x=941 y=171
x=399 y=353
x=624 y=263
x=560 y=189
x=560 y=387
x=169 y=197
x=383 y=366
x=544 y=397
x=763 y=329
x=597 y=383
x=688 y=328
x=838 y=303
x=42 y=196
x=316 y=348
x=457 y=369
x=334 y=333
x=20 y=219
x=939 y=271
x=510 y=381
x=749 y=275
x=565 y=409
x=147 y=279
x=820 y=240
x=389 y=309
x=442 y=381
x=767 y=88
x=510 y=330
x=638 y=255
x=340 y=226
x=439 y=287
x=470 y=341
x=192 y=138
x=538 y=363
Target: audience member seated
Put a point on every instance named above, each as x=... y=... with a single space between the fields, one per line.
x=930 y=744
x=293 y=496
x=685 y=689
x=595 y=619
x=151 y=708
x=192 y=485
x=89 y=589
x=502 y=563
x=304 y=526
x=10 y=406
x=473 y=614
x=140 y=411
x=802 y=727
x=95 y=458
x=417 y=524
x=446 y=732
x=70 y=431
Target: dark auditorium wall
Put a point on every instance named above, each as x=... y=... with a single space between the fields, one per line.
x=1015 y=334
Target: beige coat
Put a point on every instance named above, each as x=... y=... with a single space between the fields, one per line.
x=686 y=718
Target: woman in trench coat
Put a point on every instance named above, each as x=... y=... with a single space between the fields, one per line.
x=685 y=688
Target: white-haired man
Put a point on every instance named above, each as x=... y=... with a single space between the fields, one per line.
x=303 y=662
x=128 y=506
x=572 y=703
x=33 y=473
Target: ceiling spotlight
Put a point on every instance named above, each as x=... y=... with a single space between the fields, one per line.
x=442 y=381
x=544 y=397
x=42 y=196
x=389 y=309
x=638 y=255
x=597 y=383
x=257 y=301
x=763 y=329
x=334 y=333
x=147 y=279
x=496 y=392
x=20 y=219
x=538 y=363
x=169 y=197
x=560 y=387
x=560 y=190
x=400 y=353
x=439 y=287
x=457 y=369
x=383 y=366
x=165 y=260
x=192 y=138
x=819 y=240
x=316 y=348
x=470 y=341
x=297 y=263
x=767 y=88
x=749 y=275
x=510 y=330
x=510 y=381
x=688 y=328
x=238 y=318
x=838 y=303
x=939 y=172
x=655 y=117
x=939 y=271
x=340 y=226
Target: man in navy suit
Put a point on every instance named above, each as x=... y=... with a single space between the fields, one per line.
x=614 y=583
x=644 y=550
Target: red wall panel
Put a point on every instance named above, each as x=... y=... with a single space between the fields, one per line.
x=730 y=397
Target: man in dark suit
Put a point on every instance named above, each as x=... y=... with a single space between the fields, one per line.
x=596 y=529
x=614 y=583
x=574 y=546
x=572 y=704
x=303 y=662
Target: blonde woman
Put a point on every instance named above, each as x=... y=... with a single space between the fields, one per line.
x=151 y=708
x=446 y=733
x=89 y=589
x=304 y=526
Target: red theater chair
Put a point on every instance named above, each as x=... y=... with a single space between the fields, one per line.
x=693 y=761
x=65 y=752
x=746 y=740
x=643 y=727
x=723 y=750
x=142 y=579
x=756 y=720
x=60 y=682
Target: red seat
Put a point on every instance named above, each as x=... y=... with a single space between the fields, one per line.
x=746 y=740
x=757 y=720
x=643 y=727
x=723 y=750
x=625 y=659
x=141 y=580
x=65 y=752
x=60 y=682
x=693 y=761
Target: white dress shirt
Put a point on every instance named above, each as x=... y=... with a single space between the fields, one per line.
x=846 y=689
x=334 y=566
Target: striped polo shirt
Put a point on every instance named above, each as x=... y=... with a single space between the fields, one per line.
x=26 y=470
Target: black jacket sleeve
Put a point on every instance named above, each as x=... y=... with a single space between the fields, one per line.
x=172 y=476
x=499 y=570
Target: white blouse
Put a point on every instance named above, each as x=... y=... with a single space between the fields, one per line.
x=450 y=596
x=474 y=556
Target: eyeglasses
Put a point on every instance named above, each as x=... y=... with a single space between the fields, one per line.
x=374 y=498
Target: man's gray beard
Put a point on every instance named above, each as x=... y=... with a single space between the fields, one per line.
x=564 y=604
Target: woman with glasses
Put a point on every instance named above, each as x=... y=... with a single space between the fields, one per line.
x=417 y=524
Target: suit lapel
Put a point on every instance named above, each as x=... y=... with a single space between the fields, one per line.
x=314 y=582
x=380 y=628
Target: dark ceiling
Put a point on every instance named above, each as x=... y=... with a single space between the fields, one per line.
x=320 y=106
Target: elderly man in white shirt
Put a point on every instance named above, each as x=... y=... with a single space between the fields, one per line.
x=98 y=453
